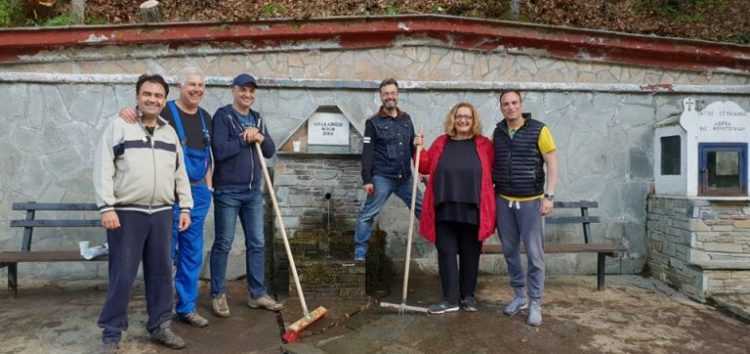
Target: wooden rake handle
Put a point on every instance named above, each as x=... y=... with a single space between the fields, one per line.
x=276 y=210
x=415 y=177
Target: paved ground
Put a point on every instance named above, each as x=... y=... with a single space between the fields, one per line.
x=737 y=304
x=633 y=315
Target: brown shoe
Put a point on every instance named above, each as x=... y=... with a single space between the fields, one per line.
x=168 y=338
x=219 y=305
x=193 y=319
x=265 y=302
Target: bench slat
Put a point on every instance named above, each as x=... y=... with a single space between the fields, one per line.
x=571 y=219
x=578 y=204
x=564 y=248
x=54 y=206
x=44 y=256
x=55 y=223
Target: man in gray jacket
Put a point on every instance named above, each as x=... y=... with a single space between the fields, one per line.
x=138 y=171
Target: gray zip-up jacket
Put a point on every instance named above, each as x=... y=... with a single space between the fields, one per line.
x=136 y=171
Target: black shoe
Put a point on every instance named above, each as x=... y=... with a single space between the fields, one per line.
x=442 y=307
x=469 y=304
x=168 y=338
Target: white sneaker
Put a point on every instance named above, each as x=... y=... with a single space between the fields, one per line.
x=535 y=313
x=265 y=302
x=219 y=305
x=516 y=305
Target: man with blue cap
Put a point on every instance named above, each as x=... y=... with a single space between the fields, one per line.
x=237 y=182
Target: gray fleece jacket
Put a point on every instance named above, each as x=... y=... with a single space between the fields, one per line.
x=137 y=171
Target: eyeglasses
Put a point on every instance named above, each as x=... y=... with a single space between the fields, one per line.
x=464 y=117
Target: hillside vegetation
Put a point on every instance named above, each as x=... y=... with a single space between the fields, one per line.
x=713 y=20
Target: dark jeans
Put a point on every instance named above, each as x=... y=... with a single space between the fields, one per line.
x=140 y=237
x=462 y=240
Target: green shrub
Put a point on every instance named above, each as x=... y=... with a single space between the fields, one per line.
x=272 y=10
x=64 y=19
x=10 y=14
x=94 y=20
x=392 y=8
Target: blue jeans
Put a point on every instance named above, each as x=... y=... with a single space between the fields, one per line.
x=374 y=203
x=248 y=205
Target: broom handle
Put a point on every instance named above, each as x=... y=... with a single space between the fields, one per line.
x=283 y=230
x=411 y=221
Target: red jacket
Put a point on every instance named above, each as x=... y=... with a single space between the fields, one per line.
x=428 y=162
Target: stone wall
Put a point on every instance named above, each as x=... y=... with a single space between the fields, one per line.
x=340 y=278
x=302 y=182
x=601 y=116
x=320 y=229
x=699 y=246
x=405 y=61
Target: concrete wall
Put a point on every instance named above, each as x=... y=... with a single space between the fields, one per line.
x=601 y=115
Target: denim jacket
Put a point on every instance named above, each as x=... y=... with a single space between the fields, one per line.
x=388 y=146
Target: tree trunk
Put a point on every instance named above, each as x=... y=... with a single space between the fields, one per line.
x=78 y=9
x=515 y=9
x=150 y=11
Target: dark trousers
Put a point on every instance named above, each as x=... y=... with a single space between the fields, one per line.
x=140 y=237
x=453 y=239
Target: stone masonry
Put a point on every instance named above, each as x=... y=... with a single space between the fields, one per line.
x=699 y=246
x=302 y=182
x=320 y=229
x=406 y=62
x=601 y=115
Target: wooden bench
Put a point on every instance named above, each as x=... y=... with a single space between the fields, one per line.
x=601 y=249
x=11 y=259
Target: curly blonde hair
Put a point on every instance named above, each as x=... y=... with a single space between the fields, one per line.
x=450 y=120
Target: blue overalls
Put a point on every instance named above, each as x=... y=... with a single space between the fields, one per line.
x=187 y=246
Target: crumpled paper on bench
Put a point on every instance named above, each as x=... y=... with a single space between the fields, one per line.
x=89 y=253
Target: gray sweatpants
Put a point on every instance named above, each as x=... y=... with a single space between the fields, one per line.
x=516 y=222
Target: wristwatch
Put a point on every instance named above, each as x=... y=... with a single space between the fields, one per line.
x=549 y=196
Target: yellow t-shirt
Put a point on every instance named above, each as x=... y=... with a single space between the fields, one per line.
x=546 y=145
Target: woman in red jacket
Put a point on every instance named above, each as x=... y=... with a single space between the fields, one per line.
x=459 y=204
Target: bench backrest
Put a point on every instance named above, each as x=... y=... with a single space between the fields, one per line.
x=31 y=222
x=585 y=219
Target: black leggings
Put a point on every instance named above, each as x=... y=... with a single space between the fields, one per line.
x=462 y=240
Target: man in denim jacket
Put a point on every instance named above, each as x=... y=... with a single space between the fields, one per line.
x=386 y=163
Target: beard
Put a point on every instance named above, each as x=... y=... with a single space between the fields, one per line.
x=390 y=104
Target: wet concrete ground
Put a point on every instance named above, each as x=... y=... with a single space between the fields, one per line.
x=633 y=315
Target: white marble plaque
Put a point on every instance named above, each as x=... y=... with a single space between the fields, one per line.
x=327 y=129
x=722 y=121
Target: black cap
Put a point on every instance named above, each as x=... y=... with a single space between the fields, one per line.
x=244 y=79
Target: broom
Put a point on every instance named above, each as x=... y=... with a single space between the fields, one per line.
x=292 y=333
x=403 y=307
